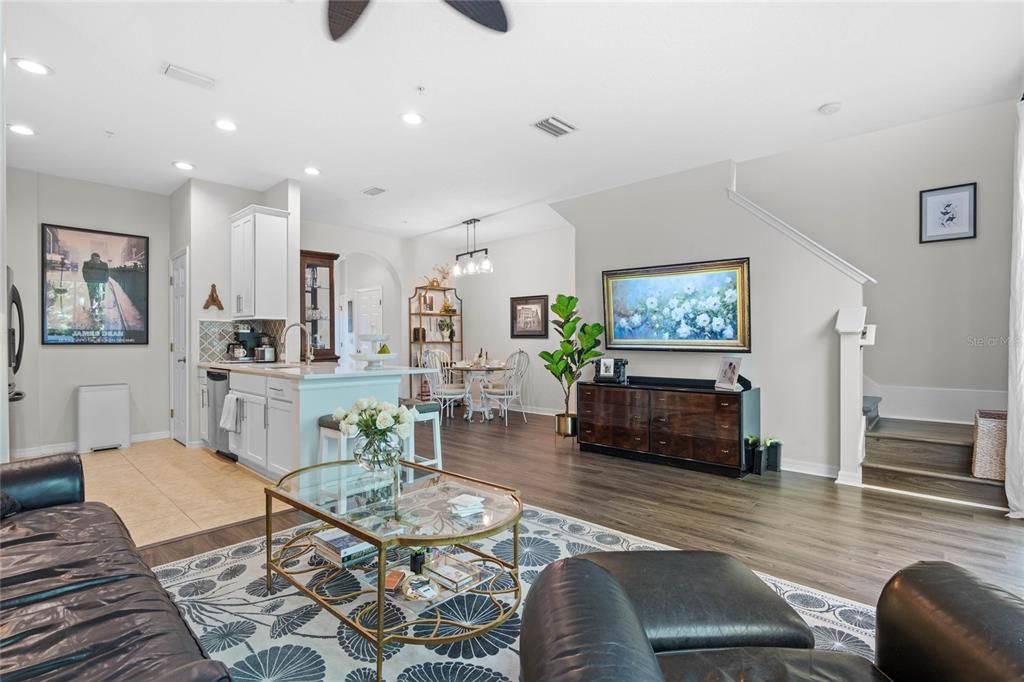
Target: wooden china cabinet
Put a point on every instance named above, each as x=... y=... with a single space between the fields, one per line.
x=318 y=310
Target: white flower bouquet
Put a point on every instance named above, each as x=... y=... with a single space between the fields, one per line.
x=379 y=429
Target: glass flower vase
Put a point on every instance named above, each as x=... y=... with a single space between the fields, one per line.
x=381 y=456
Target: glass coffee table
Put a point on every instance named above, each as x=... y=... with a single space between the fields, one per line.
x=344 y=495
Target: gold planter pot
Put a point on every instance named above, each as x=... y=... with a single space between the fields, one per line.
x=566 y=425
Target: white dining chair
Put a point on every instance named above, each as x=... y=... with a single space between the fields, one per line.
x=442 y=389
x=508 y=386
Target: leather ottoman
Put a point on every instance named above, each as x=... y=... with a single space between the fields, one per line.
x=703 y=600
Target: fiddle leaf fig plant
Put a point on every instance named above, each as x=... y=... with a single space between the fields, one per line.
x=577 y=348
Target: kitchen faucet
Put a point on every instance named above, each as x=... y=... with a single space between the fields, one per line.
x=309 y=342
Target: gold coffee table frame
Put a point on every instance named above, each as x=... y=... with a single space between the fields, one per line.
x=380 y=636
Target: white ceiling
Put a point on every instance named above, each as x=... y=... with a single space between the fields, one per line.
x=653 y=88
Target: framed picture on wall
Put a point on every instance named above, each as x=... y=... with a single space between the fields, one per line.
x=701 y=306
x=94 y=287
x=948 y=213
x=529 y=317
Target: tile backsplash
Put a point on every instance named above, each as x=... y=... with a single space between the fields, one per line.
x=215 y=335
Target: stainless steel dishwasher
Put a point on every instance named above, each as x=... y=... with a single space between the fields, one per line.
x=217 y=389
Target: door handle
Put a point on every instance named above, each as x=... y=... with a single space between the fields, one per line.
x=182 y=360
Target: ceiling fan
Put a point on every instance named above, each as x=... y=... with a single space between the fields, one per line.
x=343 y=14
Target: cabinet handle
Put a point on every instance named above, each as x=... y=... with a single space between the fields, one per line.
x=661 y=442
x=266 y=408
x=661 y=419
x=636 y=438
x=724 y=404
x=726 y=452
x=725 y=426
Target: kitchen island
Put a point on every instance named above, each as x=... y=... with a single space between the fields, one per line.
x=281 y=404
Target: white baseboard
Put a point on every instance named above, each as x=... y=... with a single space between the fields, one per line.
x=153 y=435
x=72 y=446
x=546 y=411
x=933 y=404
x=810 y=468
x=44 y=450
x=851 y=479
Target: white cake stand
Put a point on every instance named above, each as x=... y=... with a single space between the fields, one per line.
x=373 y=360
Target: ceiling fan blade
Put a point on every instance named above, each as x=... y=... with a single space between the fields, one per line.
x=488 y=13
x=343 y=14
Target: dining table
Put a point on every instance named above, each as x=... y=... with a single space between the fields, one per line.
x=474 y=375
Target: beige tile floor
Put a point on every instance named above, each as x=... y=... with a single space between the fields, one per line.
x=163 y=490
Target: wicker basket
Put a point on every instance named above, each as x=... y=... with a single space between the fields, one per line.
x=989 y=445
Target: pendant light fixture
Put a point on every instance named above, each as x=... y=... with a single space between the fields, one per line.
x=472 y=260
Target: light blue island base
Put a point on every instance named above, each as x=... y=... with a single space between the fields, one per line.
x=283 y=405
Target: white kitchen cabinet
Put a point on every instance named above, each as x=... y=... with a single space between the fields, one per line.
x=250 y=443
x=282 y=434
x=259 y=263
x=242 y=273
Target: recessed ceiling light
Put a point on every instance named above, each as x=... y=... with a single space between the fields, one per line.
x=184 y=165
x=412 y=118
x=33 y=67
x=829 y=108
x=312 y=171
x=226 y=125
x=19 y=129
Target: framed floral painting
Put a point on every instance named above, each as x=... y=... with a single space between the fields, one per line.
x=693 y=306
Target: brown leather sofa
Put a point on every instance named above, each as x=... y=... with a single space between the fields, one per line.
x=76 y=600
x=697 y=616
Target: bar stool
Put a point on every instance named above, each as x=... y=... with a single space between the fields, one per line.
x=330 y=430
x=427 y=410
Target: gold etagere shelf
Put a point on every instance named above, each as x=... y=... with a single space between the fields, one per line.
x=435 y=321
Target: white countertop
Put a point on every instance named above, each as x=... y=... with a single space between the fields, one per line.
x=316 y=370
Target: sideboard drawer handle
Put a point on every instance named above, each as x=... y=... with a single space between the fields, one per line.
x=661 y=442
x=636 y=438
x=725 y=452
x=725 y=404
x=725 y=426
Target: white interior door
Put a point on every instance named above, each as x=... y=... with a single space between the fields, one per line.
x=369 y=312
x=179 y=348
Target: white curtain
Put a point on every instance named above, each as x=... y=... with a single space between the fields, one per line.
x=1015 y=418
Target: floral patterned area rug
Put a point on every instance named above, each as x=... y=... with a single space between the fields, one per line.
x=282 y=636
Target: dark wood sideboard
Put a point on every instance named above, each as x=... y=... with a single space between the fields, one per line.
x=684 y=422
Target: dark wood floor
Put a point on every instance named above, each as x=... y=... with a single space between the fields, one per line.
x=801 y=528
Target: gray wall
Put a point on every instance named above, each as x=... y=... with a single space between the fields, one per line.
x=49 y=375
x=859 y=198
x=688 y=217
x=529 y=265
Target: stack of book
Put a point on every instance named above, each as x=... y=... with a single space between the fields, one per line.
x=338 y=547
x=467 y=505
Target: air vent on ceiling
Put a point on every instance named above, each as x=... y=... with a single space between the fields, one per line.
x=555 y=127
x=373 y=191
x=186 y=76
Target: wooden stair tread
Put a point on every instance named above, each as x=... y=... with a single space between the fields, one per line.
x=934 y=473
x=925 y=432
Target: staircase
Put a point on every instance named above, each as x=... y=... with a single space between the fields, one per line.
x=927 y=458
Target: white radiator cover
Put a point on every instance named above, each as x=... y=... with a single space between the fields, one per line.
x=104 y=417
